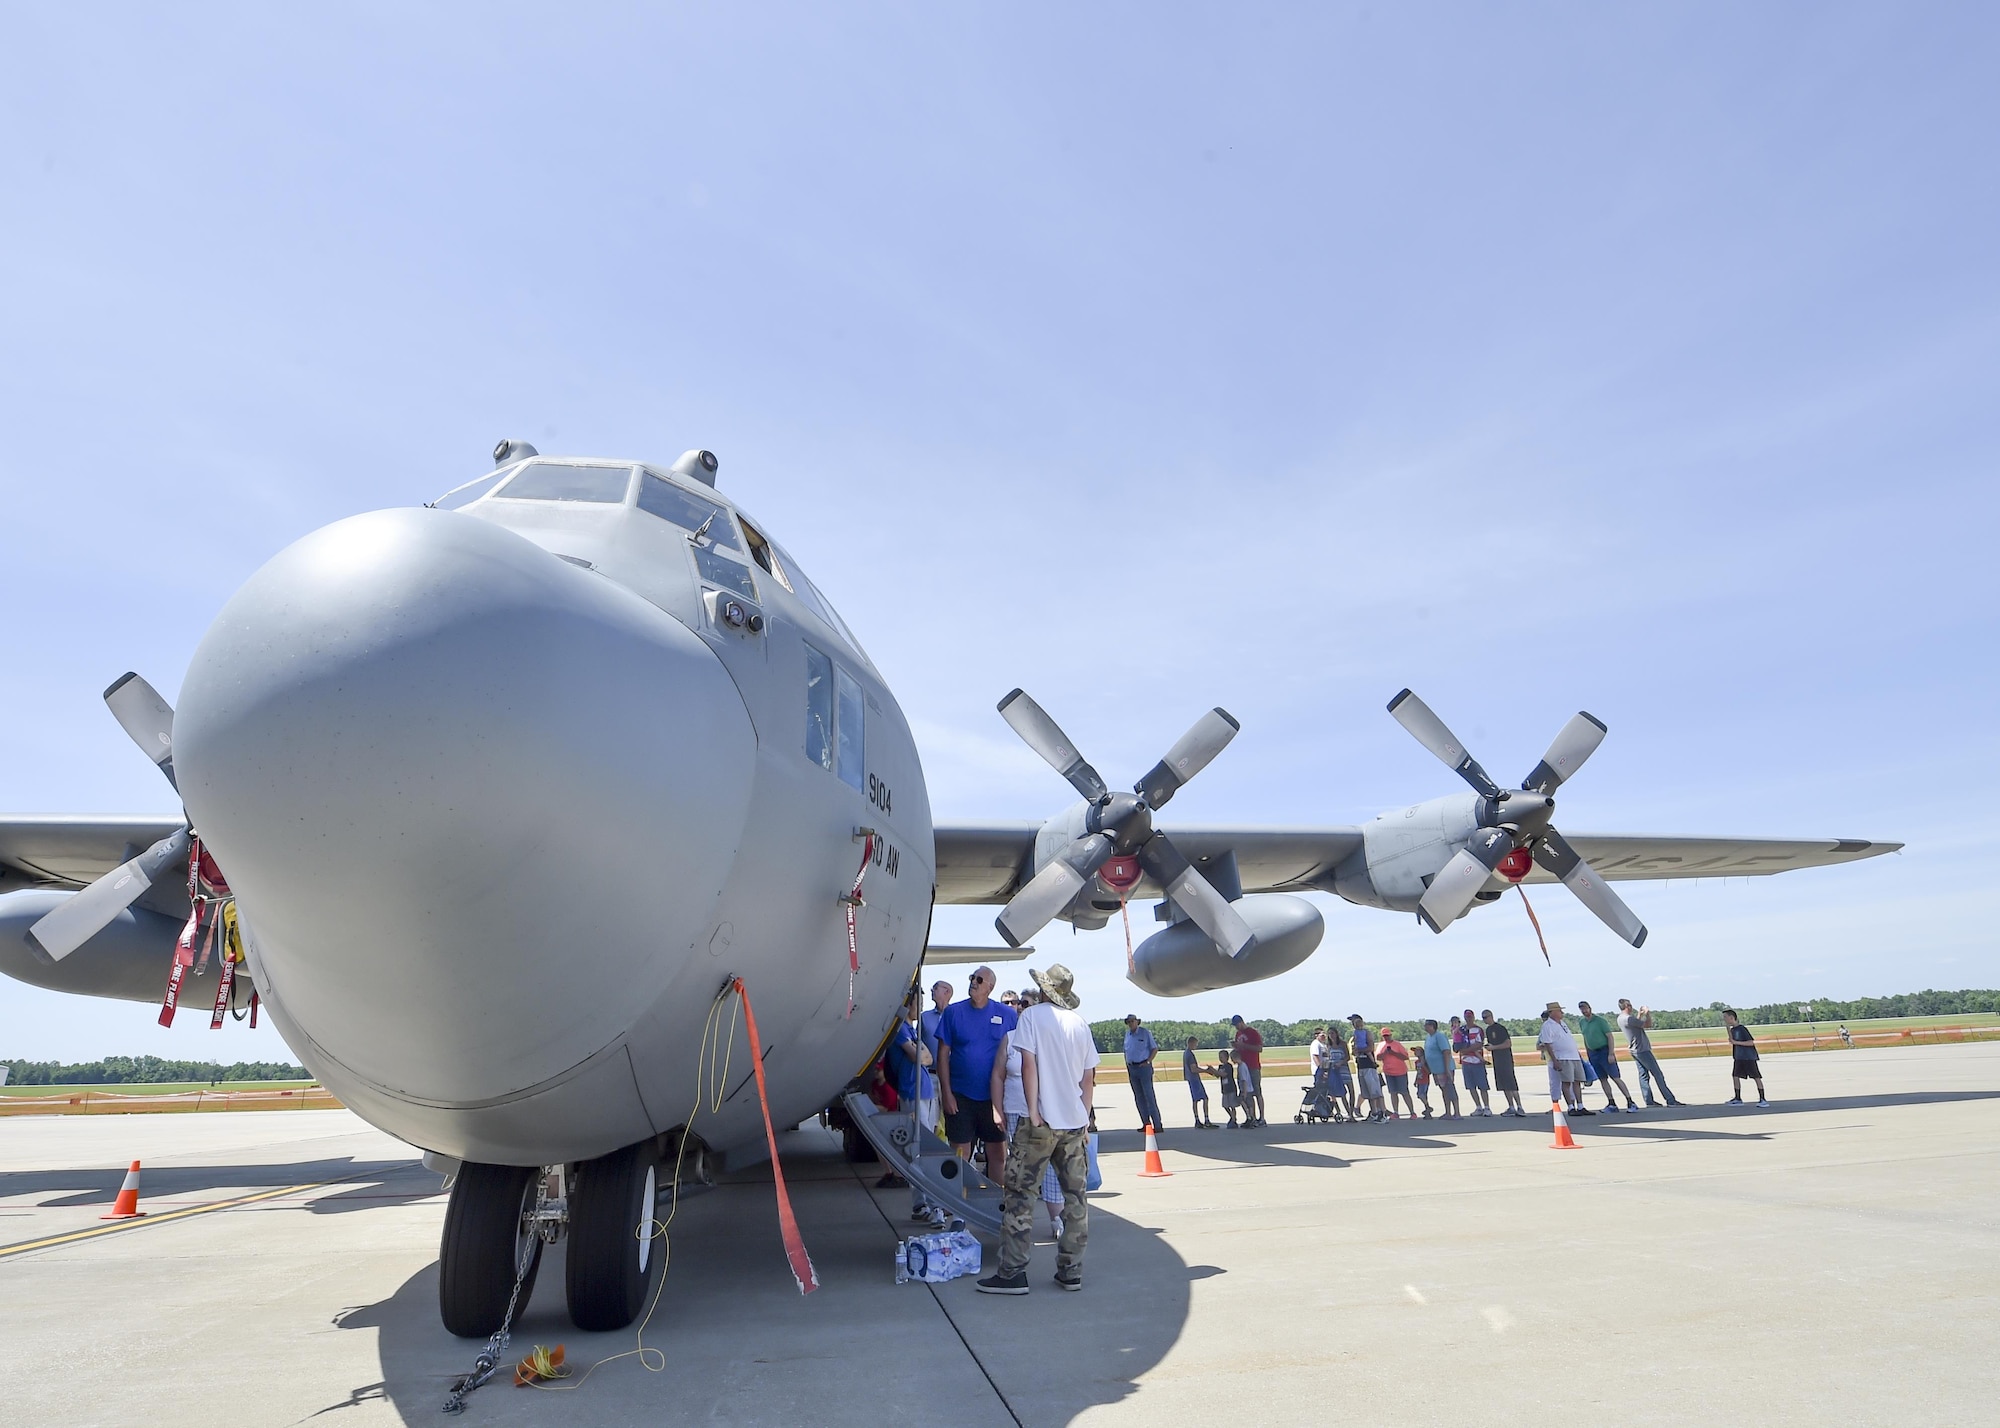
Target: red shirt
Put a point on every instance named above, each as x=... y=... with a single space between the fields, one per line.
x=1395 y=1057
x=1250 y=1046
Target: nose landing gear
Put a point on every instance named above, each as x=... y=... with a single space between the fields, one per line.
x=615 y=1258
x=489 y=1232
x=502 y=1216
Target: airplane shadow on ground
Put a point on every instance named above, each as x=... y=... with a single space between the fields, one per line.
x=739 y=1344
x=1272 y=1144
x=366 y=1183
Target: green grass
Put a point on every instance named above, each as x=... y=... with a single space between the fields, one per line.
x=1858 y=1027
x=152 y=1088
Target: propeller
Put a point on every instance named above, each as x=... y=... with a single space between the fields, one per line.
x=1120 y=824
x=1513 y=819
x=149 y=719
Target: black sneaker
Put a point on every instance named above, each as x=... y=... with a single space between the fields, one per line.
x=998 y=1283
x=1072 y=1281
x=1583 y=1111
x=1734 y=1101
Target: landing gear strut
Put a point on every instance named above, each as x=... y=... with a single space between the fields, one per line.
x=487 y=1235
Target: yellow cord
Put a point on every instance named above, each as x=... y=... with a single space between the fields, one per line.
x=706 y=1086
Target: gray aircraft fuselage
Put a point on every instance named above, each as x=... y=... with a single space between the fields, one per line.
x=507 y=792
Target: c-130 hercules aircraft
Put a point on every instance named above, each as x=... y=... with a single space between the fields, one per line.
x=509 y=788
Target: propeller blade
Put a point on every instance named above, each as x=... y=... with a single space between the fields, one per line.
x=1452 y=890
x=89 y=912
x=1554 y=853
x=1194 y=895
x=1039 y=732
x=1052 y=889
x=1577 y=741
x=1429 y=730
x=148 y=718
x=1195 y=751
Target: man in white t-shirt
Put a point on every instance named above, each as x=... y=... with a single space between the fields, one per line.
x=1059 y=1080
x=1558 y=1047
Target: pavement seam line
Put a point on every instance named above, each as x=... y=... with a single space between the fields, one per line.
x=140 y=1222
x=936 y=1299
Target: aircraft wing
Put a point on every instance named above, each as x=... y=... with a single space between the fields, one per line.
x=1629 y=857
x=61 y=850
x=988 y=862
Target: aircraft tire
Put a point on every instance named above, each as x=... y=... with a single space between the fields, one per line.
x=612 y=1267
x=477 y=1253
x=855 y=1147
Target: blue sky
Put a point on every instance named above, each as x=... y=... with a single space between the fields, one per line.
x=1637 y=359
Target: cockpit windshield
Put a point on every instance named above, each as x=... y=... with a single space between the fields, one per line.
x=688 y=511
x=564 y=481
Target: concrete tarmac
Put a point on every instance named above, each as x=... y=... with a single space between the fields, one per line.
x=1833 y=1258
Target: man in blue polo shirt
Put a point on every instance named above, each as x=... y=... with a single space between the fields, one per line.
x=969 y=1034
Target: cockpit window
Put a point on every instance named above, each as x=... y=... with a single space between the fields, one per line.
x=561 y=481
x=766 y=555
x=809 y=596
x=468 y=492
x=688 y=511
x=721 y=571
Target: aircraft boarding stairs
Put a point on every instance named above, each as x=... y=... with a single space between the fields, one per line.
x=926 y=1162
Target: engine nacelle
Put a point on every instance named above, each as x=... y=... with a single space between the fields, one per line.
x=1181 y=960
x=128 y=960
x=1403 y=849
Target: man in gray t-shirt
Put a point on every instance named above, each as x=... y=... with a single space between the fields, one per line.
x=1636 y=1022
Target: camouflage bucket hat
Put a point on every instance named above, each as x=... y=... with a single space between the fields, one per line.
x=1057 y=985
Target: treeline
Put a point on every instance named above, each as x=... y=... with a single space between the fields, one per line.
x=1211 y=1035
x=1925 y=1003
x=144 y=1070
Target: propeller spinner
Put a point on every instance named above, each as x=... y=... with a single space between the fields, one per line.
x=1121 y=824
x=1514 y=821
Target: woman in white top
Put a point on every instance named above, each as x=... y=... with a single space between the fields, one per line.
x=1012 y=1098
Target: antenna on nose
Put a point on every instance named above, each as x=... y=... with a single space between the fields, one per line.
x=697 y=465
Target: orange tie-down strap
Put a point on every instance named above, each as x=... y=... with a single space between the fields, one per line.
x=788 y=1225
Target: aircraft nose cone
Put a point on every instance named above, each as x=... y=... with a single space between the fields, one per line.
x=477 y=804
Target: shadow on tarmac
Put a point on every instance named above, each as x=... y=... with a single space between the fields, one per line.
x=740 y=1345
x=370 y=1182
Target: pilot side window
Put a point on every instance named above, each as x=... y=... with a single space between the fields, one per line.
x=819 y=708
x=765 y=555
x=852 y=728
x=687 y=510
x=836 y=720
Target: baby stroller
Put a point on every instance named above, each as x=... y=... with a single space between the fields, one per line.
x=1318 y=1106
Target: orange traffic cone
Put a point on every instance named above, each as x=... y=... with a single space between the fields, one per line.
x=1564 y=1140
x=1154 y=1170
x=127 y=1205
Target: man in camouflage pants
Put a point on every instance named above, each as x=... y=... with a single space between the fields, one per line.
x=1068 y=1152
x=1059 y=1079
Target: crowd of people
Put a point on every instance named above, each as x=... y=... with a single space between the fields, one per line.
x=1360 y=1073
x=1013 y=1077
